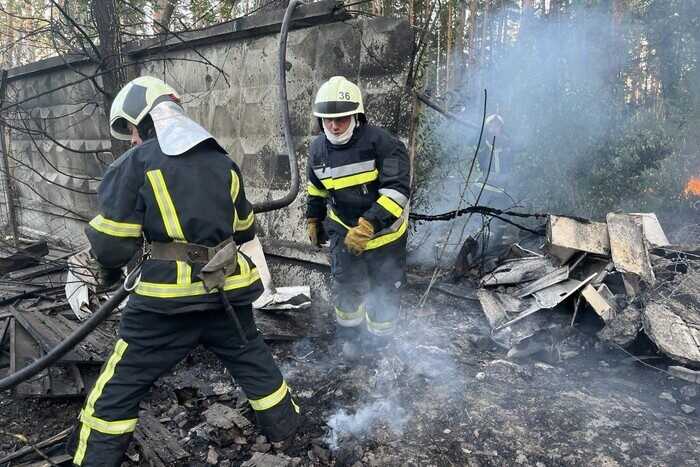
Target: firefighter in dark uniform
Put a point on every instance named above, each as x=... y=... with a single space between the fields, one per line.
x=496 y=168
x=179 y=192
x=359 y=183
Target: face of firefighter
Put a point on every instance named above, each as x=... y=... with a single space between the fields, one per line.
x=135 y=137
x=337 y=126
x=494 y=129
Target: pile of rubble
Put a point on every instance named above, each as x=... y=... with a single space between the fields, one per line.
x=624 y=270
x=45 y=293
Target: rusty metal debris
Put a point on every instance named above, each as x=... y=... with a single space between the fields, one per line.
x=623 y=269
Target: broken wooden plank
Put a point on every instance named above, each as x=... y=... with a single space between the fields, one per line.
x=598 y=302
x=554 y=277
x=26 y=291
x=496 y=306
x=653 y=232
x=41 y=270
x=57 y=438
x=49 y=331
x=567 y=232
x=519 y=271
x=158 y=446
x=52 y=461
x=24 y=257
x=4 y=327
x=24 y=351
x=628 y=247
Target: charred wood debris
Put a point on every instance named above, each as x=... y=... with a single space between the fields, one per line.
x=621 y=275
x=45 y=292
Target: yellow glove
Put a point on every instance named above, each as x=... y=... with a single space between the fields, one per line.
x=315 y=229
x=357 y=237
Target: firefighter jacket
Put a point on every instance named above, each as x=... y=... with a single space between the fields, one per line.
x=196 y=197
x=368 y=177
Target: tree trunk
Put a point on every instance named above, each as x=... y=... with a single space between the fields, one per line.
x=376 y=7
x=457 y=74
x=616 y=55
x=448 y=48
x=618 y=8
x=471 y=42
x=163 y=14
x=104 y=13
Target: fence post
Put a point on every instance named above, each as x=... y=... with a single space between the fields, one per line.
x=7 y=178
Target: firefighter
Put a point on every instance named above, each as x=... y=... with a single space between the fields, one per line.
x=495 y=163
x=179 y=192
x=358 y=193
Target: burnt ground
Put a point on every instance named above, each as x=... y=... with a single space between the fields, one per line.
x=444 y=395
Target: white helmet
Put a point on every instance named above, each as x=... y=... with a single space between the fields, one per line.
x=338 y=97
x=494 y=119
x=135 y=101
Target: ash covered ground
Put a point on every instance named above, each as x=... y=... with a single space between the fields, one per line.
x=444 y=395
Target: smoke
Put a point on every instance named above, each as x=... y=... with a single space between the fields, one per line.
x=555 y=82
x=359 y=424
x=394 y=385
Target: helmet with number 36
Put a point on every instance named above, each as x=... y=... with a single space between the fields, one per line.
x=339 y=97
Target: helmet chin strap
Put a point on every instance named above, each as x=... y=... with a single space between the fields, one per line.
x=345 y=136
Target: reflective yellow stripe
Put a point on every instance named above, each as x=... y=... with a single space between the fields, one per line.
x=82 y=444
x=377 y=241
x=245 y=278
x=235 y=183
x=184 y=273
x=244 y=224
x=313 y=191
x=348 y=316
x=165 y=204
x=390 y=205
x=270 y=401
x=87 y=415
x=352 y=180
x=114 y=228
x=379 y=326
x=118 y=427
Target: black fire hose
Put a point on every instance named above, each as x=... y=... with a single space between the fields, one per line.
x=291 y=195
x=67 y=345
x=108 y=307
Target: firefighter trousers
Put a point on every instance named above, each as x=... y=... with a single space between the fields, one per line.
x=366 y=288
x=150 y=345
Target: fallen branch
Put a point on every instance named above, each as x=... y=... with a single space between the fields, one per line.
x=34 y=447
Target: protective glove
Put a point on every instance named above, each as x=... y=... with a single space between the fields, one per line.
x=358 y=236
x=317 y=234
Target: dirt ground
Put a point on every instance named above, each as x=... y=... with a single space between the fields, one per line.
x=444 y=394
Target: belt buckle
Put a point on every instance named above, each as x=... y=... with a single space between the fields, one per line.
x=194 y=255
